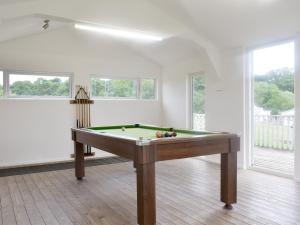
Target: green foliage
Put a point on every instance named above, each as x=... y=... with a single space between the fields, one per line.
x=148 y=89
x=270 y=97
x=1 y=90
x=282 y=78
x=40 y=87
x=123 y=88
x=198 y=95
x=98 y=87
x=114 y=88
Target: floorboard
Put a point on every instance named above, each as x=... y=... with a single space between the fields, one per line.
x=187 y=194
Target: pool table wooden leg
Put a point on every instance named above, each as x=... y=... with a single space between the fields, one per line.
x=146 y=202
x=229 y=179
x=79 y=160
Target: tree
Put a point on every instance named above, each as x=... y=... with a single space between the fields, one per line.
x=98 y=87
x=41 y=87
x=198 y=95
x=121 y=88
x=1 y=90
x=282 y=78
x=114 y=88
x=270 y=97
x=148 y=88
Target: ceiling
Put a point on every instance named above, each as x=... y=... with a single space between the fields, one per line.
x=237 y=23
x=188 y=25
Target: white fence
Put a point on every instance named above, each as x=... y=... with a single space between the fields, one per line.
x=275 y=132
x=198 y=121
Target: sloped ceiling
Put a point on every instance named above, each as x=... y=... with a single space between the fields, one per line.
x=191 y=27
x=25 y=18
x=234 y=23
x=25 y=26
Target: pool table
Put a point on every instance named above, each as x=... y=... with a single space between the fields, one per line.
x=138 y=142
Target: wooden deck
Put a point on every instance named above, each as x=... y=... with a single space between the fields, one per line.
x=274 y=160
x=187 y=193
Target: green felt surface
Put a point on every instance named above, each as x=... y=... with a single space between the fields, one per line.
x=137 y=132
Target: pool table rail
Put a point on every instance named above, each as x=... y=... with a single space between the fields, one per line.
x=165 y=148
x=145 y=155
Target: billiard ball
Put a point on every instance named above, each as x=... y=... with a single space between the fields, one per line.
x=174 y=134
x=123 y=129
x=167 y=134
x=159 y=134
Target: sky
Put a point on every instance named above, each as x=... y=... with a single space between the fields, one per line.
x=272 y=58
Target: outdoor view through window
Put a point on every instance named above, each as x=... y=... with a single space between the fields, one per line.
x=123 y=88
x=273 y=86
x=23 y=85
x=1 y=83
x=198 y=102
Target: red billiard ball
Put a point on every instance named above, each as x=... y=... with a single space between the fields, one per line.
x=159 y=134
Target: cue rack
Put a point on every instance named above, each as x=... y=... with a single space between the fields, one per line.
x=83 y=112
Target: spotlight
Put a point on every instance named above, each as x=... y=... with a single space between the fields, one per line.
x=46 y=24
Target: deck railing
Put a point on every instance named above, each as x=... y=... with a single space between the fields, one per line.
x=198 y=121
x=275 y=132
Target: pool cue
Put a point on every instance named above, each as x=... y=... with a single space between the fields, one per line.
x=81 y=104
x=84 y=107
x=89 y=108
x=89 y=115
x=77 y=108
x=81 y=120
x=80 y=110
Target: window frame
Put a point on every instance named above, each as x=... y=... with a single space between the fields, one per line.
x=7 y=73
x=191 y=97
x=3 y=84
x=138 y=88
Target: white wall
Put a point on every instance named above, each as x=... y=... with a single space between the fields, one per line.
x=37 y=131
x=224 y=97
x=297 y=107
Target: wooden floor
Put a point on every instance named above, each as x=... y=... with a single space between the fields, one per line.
x=280 y=161
x=187 y=193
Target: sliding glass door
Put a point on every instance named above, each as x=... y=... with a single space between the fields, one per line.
x=273 y=108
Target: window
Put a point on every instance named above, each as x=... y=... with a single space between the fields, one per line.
x=148 y=89
x=113 y=88
x=124 y=88
x=1 y=84
x=272 y=116
x=198 y=101
x=38 y=85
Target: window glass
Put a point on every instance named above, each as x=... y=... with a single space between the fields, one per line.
x=1 y=84
x=198 y=102
x=26 y=85
x=148 y=89
x=115 y=88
